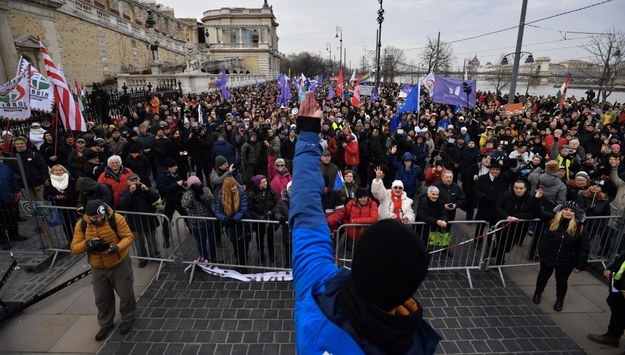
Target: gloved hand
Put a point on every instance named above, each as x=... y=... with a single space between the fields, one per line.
x=228 y=222
x=282 y=220
x=114 y=249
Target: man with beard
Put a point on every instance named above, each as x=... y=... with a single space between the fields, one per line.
x=107 y=249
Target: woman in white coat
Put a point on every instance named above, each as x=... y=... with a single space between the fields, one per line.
x=394 y=203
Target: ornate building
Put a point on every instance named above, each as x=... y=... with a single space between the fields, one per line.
x=91 y=40
x=245 y=39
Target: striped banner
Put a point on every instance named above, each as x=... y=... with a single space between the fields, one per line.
x=66 y=105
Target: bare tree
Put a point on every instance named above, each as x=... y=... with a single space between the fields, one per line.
x=606 y=53
x=438 y=58
x=499 y=77
x=392 y=59
x=310 y=64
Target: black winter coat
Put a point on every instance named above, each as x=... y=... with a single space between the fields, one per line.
x=524 y=207
x=261 y=202
x=430 y=212
x=282 y=207
x=139 y=201
x=167 y=185
x=486 y=193
x=562 y=250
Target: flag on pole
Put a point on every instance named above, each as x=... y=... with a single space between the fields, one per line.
x=561 y=95
x=411 y=104
x=15 y=98
x=315 y=83
x=405 y=90
x=353 y=77
x=330 y=93
x=339 y=84
x=224 y=90
x=428 y=82
x=339 y=183
x=66 y=105
x=374 y=93
x=356 y=96
x=365 y=78
x=41 y=91
x=200 y=119
x=80 y=97
x=257 y=84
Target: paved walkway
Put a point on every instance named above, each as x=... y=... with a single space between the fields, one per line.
x=221 y=316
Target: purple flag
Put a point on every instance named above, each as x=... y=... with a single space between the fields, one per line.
x=257 y=84
x=451 y=91
x=374 y=93
x=225 y=94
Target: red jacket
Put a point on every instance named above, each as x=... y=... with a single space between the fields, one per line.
x=432 y=177
x=117 y=184
x=351 y=155
x=357 y=214
x=550 y=139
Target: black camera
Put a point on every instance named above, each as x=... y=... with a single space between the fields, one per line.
x=97 y=245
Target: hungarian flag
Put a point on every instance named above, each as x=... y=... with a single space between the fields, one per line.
x=66 y=105
x=561 y=95
x=356 y=96
x=339 y=84
x=81 y=99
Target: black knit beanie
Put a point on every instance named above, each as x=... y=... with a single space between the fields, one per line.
x=389 y=264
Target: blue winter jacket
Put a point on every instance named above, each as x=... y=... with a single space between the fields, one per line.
x=8 y=184
x=408 y=177
x=316 y=278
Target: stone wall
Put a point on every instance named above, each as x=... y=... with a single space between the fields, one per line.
x=87 y=51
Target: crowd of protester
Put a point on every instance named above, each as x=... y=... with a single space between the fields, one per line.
x=436 y=162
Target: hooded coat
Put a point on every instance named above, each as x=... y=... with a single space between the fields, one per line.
x=89 y=189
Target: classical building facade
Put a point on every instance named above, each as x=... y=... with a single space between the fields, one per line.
x=247 y=36
x=91 y=40
x=95 y=40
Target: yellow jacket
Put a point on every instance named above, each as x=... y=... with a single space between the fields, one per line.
x=123 y=239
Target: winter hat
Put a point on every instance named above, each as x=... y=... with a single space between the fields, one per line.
x=582 y=174
x=279 y=161
x=579 y=213
x=361 y=192
x=398 y=183
x=96 y=208
x=389 y=264
x=257 y=179
x=169 y=162
x=552 y=167
x=193 y=180
x=133 y=176
x=19 y=139
x=220 y=160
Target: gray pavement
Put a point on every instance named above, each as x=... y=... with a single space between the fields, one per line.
x=221 y=316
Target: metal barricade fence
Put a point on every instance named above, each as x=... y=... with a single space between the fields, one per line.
x=462 y=251
x=147 y=229
x=247 y=245
x=517 y=243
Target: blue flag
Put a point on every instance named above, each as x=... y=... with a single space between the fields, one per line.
x=338 y=181
x=457 y=108
x=331 y=93
x=411 y=104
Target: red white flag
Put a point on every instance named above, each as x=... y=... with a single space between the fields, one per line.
x=339 y=84
x=356 y=97
x=66 y=105
x=561 y=95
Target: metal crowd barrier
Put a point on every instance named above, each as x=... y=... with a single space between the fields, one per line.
x=465 y=250
x=517 y=243
x=147 y=228
x=248 y=245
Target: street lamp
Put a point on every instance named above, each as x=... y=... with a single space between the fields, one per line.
x=515 y=70
x=153 y=45
x=340 y=30
x=467 y=90
x=329 y=49
x=378 y=45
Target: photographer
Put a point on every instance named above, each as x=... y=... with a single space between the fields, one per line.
x=140 y=198
x=434 y=174
x=107 y=249
x=171 y=186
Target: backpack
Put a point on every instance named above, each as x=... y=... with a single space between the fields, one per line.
x=111 y=220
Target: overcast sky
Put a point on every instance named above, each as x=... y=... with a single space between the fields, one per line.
x=309 y=25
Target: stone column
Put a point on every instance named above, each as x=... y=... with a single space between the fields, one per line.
x=8 y=53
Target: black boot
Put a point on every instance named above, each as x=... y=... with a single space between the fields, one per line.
x=536 y=298
x=558 y=305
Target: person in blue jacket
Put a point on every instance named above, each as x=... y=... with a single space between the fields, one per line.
x=369 y=309
x=408 y=172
